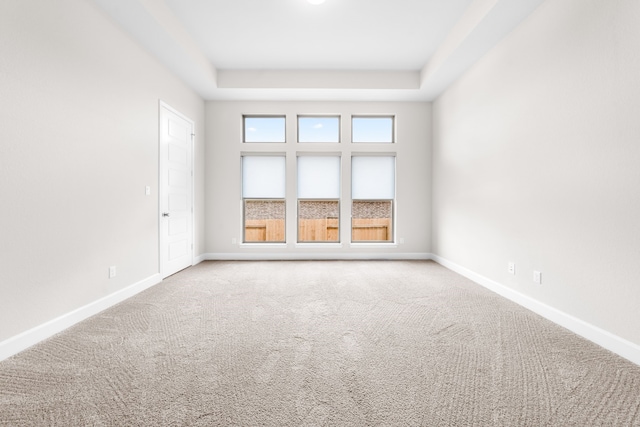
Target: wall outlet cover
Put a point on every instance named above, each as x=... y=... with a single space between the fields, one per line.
x=537 y=277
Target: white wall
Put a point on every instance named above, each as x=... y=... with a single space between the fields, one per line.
x=78 y=145
x=536 y=160
x=223 y=199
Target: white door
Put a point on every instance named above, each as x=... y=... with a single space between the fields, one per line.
x=176 y=209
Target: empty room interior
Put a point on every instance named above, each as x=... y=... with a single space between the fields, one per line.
x=295 y=212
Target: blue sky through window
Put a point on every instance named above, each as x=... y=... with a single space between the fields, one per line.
x=264 y=129
x=372 y=129
x=318 y=129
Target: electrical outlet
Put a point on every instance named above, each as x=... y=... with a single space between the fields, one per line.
x=537 y=277
x=147 y=190
x=234 y=240
x=112 y=271
x=512 y=268
x=401 y=240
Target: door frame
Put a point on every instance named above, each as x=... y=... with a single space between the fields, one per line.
x=162 y=104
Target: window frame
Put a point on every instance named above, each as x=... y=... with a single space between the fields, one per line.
x=338 y=157
x=320 y=116
x=285 y=210
x=375 y=116
x=392 y=220
x=265 y=199
x=263 y=116
x=244 y=221
x=320 y=242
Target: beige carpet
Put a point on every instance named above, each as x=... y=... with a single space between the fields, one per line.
x=336 y=343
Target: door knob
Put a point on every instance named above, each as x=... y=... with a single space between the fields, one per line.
x=165 y=214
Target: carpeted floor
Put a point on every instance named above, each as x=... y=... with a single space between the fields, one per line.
x=318 y=343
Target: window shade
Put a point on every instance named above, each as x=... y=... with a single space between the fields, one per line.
x=373 y=177
x=263 y=177
x=318 y=177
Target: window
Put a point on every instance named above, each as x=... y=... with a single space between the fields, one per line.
x=264 y=129
x=318 y=198
x=372 y=129
x=263 y=198
x=318 y=129
x=372 y=194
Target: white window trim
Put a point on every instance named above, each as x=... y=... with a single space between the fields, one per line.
x=346 y=149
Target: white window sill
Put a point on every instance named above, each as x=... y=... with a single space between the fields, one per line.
x=319 y=245
x=373 y=245
x=263 y=245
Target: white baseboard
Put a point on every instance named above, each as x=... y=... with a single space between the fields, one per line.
x=309 y=256
x=614 y=343
x=33 y=336
x=611 y=342
x=198 y=259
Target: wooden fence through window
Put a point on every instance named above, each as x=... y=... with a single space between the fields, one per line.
x=318 y=230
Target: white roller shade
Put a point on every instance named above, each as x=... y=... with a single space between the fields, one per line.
x=318 y=177
x=373 y=177
x=263 y=177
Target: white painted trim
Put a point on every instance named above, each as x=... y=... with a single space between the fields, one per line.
x=310 y=256
x=199 y=258
x=312 y=245
x=263 y=245
x=162 y=104
x=611 y=342
x=373 y=245
x=26 y=339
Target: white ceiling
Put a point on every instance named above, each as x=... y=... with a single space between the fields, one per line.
x=337 y=35
x=341 y=50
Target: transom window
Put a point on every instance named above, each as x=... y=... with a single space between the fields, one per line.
x=373 y=129
x=264 y=129
x=318 y=129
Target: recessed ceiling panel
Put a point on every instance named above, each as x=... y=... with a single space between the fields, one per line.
x=349 y=50
x=339 y=34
